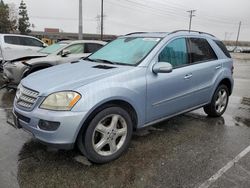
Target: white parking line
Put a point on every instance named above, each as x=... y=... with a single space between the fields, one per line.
x=218 y=174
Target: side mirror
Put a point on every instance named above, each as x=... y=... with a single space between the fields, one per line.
x=162 y=67
x=45 y=45
x=65 y=53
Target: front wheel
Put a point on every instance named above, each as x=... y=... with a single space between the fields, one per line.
x=219 y=102
x=107 y=136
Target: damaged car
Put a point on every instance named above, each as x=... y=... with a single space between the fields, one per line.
x=65 y=51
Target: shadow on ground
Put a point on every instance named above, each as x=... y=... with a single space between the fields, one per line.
x=177 y=152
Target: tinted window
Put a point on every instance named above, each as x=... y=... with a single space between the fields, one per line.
x=223 y=48
x=175 y=53
x=76 y=48
x=200 y=50
x=12 y=40
x=92 y=47
x=26 y=41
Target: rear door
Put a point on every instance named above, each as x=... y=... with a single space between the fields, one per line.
x=205 y=66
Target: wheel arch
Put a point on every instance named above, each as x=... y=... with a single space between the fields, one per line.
x=114 y=102
x=226 y=82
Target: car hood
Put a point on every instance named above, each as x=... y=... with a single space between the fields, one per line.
x=16 y=56
x=70 y=76
x=49 y=58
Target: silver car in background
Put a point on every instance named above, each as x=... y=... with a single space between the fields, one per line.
x=59 y=53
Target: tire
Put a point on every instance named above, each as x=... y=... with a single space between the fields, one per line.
x=107 y=136
x=219 y=102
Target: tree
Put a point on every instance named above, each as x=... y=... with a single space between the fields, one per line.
x=13 y=16
x=23 y=21
x=5 y=23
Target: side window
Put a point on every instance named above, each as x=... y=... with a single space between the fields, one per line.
x=26 y=41
x=200 y=50
x=223 y=48
x=175 y=53
x=75 y=48
x=12 y=40
x=92 y=47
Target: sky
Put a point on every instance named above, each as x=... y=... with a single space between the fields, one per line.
x=219 y=17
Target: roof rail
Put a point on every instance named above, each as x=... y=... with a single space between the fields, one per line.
x=200 y=32
x=135 y=33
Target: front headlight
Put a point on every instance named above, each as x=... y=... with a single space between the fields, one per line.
x=64 y=101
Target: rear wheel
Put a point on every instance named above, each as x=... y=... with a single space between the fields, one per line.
x=219 y=102
x=107 y=136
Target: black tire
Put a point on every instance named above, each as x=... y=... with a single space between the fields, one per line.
x=84 y=141
x=210 y=109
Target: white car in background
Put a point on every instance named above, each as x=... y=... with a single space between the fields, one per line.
x=13 y=46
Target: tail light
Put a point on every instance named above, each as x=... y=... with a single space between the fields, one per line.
x=232 y=69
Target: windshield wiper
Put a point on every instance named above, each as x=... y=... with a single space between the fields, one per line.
x=104 y=61
x=88 y=59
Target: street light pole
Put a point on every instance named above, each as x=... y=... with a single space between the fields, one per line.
x=191 y=14
x=80 y=35
x=238 y=34
x=102 y=19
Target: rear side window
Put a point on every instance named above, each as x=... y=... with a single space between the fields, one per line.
x=12 y=40
x=223 y=48
x=92 y=47
x=175 y=53
x=200 y=50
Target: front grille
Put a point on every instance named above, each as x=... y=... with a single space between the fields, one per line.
x=26 y=98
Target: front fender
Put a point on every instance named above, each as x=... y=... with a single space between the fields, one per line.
x=92 y=99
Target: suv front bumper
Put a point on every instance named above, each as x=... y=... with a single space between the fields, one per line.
x=63 y=137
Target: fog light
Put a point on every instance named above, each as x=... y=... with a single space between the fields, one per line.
x=48 y=125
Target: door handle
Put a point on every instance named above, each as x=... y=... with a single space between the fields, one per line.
x=188 y=76
x=218 y=67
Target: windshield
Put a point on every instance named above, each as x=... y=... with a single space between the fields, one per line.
x=129 y=51
x=53 y=48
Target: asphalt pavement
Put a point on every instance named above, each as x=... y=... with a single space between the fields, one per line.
x=190 y=150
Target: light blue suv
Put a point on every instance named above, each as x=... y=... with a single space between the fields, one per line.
x=134 y=81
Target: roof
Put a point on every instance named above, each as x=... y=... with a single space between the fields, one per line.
x=148 y=34
x=82 y=41
x=164 y=34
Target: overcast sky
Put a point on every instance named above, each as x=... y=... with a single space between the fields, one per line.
x=219 y=17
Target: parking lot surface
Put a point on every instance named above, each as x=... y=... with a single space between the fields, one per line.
x=190 y=150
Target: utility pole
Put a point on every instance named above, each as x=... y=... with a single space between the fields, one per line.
x=80 y=35
x=191 y=14
x=238 y=34
x=102 y=19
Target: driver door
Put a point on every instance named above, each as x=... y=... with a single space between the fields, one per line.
x=76 y=52
x=167 y=93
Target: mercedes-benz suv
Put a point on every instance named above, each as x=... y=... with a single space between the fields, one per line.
x=134 y=81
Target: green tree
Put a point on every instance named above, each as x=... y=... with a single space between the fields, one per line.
x=23 y=21
x=5 y=23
